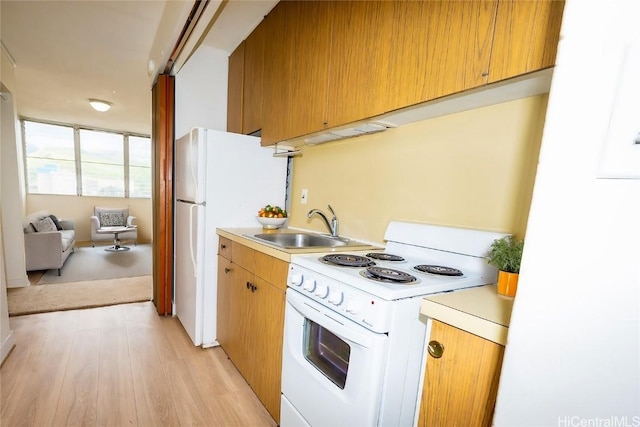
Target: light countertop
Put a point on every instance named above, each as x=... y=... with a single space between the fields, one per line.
x=480 y=311
x=241 y=235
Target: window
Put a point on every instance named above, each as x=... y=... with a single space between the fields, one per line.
x=65 y=159
x=50 y=158
x=102 y=163
x=139 y=167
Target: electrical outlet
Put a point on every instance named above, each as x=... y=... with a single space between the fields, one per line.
x=304 y=196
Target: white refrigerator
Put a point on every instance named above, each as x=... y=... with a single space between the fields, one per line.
x=221 y=180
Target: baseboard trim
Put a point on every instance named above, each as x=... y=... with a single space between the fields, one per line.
x=7 y=347
x=19 y=282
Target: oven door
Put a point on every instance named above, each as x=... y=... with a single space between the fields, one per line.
x=332 y=368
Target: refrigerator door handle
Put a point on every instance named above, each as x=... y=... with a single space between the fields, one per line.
x=192 y=166
x=193 y=258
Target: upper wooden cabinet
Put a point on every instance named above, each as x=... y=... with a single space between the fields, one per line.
x=330 y=63
x=295 y=70
x=234 y=90
x=359 y=64
x=244 y=95
x=276 y=71
x=438 y=48
x=253 y=69
x=526 y=37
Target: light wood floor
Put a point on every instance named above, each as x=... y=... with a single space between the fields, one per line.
x=121 y=365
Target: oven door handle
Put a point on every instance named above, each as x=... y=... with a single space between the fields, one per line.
x=351 y=333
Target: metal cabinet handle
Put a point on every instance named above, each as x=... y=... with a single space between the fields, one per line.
x=435 y=349
x=227 y=270
x=248 y=285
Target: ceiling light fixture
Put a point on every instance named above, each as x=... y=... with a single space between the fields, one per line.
x=100 y=105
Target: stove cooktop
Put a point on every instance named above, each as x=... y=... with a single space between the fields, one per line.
x=423 y=283
x=458 y=252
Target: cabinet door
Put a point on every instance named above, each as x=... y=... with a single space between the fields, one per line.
x=358 y=67
x=252 y=92
x=526 y=37
x=295 y=70
x=310 y=26
x=234 y=90
x=438 y=48
x=460 y=387
x=240 y=321
x=225 y=283
x=277 y=68
x=267 y=331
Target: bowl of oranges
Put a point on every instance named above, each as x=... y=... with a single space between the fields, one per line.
x=272 y=217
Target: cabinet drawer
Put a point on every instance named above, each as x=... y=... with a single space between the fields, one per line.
x=224 y=247
x=272 y=270
x=243 y=256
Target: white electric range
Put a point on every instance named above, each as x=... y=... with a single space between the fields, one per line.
x=354 y=338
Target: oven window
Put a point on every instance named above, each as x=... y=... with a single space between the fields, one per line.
x=326 y=352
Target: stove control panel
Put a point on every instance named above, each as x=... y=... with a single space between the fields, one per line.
x=365 y=309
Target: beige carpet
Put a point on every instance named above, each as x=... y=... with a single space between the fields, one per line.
x=77 y=295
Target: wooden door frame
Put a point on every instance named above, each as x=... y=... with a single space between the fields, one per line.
x=162 y=141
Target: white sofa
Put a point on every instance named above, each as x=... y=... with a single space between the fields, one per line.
x=127 y=220
x=45 y=250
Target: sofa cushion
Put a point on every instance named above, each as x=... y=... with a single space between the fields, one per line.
x=56 y=222
x=68 y=238
x=44 y=224
x=68 y=234
x=32 y=218
x=111 y=219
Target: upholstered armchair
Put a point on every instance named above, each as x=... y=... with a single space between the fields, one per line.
x=112 y=217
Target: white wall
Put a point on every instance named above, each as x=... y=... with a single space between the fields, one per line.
x=201 y=91
x=12 y=182
x=6 y=334
x=573 y=351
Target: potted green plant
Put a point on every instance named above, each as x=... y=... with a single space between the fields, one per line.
x=505 y=254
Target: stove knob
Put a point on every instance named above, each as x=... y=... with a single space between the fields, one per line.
x=336 y=297
x=353 y=307
x=322 y=290
x=296 y=279
x=309 y=285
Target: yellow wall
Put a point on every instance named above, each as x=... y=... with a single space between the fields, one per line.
x=80 y=210
x=473 y=169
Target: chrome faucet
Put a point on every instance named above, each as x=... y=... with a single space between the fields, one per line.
x=333 y=226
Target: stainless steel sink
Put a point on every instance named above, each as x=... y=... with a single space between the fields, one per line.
x=305 y=240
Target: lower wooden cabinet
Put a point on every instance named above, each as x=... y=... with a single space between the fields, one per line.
x=461 y=385
x=251 y=302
